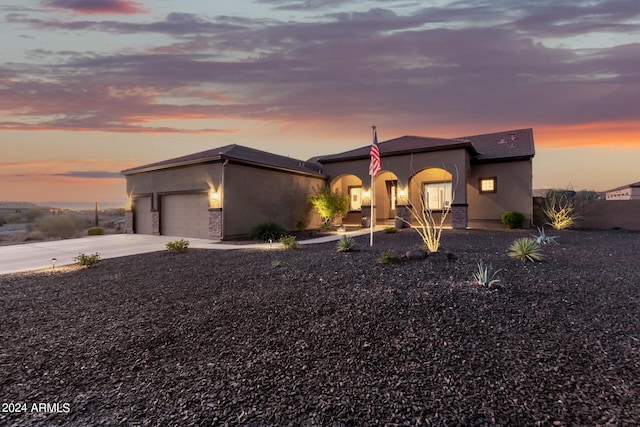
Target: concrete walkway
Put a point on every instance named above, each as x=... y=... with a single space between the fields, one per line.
x=36 y=256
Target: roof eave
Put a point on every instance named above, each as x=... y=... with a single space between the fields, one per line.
x=151 y=168
x=465 y=145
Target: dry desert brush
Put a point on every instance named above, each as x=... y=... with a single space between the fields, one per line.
x=428 y=227
x=559 y=210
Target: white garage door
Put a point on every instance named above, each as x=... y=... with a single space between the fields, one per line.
x=142 y=215
x=185 y=215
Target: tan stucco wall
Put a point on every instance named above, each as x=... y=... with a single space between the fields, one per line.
x=608 y=214
x=514 y=185
x=254 y=195
x=196 y=178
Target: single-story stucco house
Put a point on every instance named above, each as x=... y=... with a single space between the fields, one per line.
x=223 y=192
x=626 y=192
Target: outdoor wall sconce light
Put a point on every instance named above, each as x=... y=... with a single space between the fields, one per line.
x=215 y=199
x=403 y=199
x=366 y=198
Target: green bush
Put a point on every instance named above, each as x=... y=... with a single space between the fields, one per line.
x=63 y=226
x=390 y=230
x=178 y=245
x=88 y=261
x=266 y=231
x=289 y=242
x=2 y=222
x=513 y=219
x=95 y=231
x=329 y=204
x=525 y=249
x=14 y=218
x=389 y=257
x=346 y=244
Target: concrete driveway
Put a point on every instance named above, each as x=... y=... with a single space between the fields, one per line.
x=36 y=256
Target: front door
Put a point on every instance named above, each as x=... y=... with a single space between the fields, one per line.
x=392 y=193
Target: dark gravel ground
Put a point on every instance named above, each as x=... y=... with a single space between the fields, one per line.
x=315 y=337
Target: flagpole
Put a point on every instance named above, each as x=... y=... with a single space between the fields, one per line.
x=373 y=198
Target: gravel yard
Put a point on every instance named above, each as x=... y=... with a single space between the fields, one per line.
x=315 y=337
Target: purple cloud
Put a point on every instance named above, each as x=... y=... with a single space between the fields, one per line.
x=430 y=67
x=93 y=7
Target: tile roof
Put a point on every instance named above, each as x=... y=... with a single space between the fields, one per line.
x=235 y=152
x=402 y=145
x=510 y=144
x=514 y=144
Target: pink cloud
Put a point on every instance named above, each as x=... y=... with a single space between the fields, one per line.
x=94 y=7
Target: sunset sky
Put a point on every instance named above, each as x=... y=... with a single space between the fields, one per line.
x=91 y=87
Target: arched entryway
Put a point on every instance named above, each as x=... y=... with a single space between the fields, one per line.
x=351 y=186
x=387 y=194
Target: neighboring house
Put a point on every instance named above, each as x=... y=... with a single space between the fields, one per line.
x=626 y=192
x=225 y=191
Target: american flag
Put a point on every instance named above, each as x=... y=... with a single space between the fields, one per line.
x=374 y=165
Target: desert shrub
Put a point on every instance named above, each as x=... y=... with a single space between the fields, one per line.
x=64 y=226
x=289 y=242
x=13 y=218
x=88 y=261
x=513 y=219
x=525 y=249
x=329 y=204
x=559 y=209
x=33 y=214
x=485 y=277
x=178 y=245
x=390 y=230
x=301 y=225
x=346 y=244
x=95 y=231
x=2 y=222
x=268 y=230
x=389 y=257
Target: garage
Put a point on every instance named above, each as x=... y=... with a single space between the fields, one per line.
x=142 y=215
x=185 y=215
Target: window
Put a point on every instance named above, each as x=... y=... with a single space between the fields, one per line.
x=437 y=195
x=488 y=185
x=355 y=198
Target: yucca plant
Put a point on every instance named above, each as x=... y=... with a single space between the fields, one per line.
x=543 y=239
x=346 y=244
x=525 y=249
x=485 y=277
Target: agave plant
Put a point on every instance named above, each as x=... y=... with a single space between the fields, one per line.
x=485 y=277
x=543 y=239
x=346 y=244
x=526 y=249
